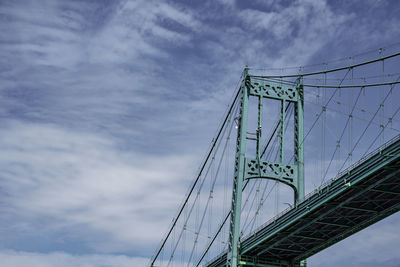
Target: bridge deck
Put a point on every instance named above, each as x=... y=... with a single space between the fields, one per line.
x=364 y=194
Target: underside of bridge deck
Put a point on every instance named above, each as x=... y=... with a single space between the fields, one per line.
x=365 y=194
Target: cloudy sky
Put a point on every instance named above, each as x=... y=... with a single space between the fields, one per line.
x=107 y=108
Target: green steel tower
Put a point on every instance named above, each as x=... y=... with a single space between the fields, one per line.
x=256 y=168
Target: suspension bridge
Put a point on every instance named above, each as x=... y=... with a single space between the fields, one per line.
x=282 y=133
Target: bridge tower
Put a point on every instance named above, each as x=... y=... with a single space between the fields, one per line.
x=256 y=168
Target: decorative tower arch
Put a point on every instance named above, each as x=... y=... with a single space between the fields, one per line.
x=256 y=168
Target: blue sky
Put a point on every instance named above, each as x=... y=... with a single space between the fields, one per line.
x=107 y=107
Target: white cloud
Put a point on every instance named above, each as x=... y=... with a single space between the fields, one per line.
x=105 y=93
x=12 y=258
x=184 y=17
x=300 y=28
x=75 y=178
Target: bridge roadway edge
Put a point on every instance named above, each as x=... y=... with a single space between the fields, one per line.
x=383 y=161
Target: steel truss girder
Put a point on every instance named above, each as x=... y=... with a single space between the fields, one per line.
x=260 y=262
x=359 y=209
x=350 y=231
x=386 y=191
x=320 y=216
x=372 y=166
x=335 y=190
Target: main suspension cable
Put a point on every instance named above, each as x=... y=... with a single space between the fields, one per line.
x=327 y=71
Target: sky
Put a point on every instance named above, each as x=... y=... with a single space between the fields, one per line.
x=108 y=107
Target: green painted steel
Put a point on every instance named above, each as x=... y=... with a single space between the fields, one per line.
x=292 y=175
x=285 y=173
x=299 y=142
x=247 y=168
x=272 y=90
x=259 y=128
x=282 y=133
x=365 y=193
x=234 y=230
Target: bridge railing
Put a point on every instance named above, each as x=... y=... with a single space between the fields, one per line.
x=367 y=156
x=319 y=189
x=327 y=183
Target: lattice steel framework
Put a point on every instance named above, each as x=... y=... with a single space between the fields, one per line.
x=365 y=193
x=256 y=168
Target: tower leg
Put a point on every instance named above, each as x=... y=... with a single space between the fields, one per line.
x=236 y=208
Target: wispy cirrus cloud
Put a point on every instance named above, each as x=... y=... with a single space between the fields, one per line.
x=106 y=108
x=81 y=180
x=22 y=259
